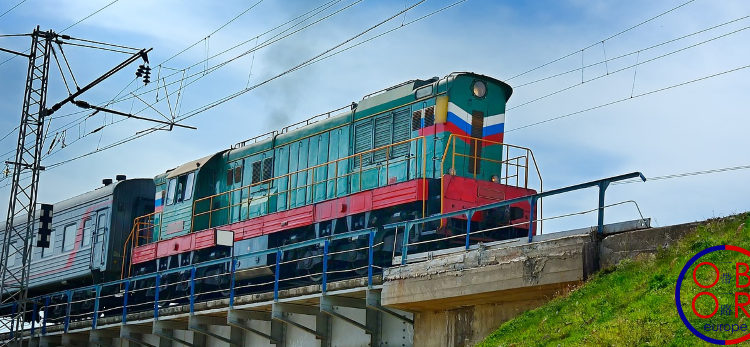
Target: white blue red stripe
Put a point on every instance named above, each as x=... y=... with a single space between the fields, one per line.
x=460 y=120
x=158 y=201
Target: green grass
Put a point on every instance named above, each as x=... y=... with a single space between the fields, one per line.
x=633 y=303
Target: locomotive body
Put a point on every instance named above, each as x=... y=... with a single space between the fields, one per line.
x=416 y=149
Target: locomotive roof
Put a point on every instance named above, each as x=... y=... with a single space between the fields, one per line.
x=189 y=166
x=370 y=104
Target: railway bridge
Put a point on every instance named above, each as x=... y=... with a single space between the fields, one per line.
x=449 y=296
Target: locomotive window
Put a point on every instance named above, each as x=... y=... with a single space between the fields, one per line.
x=170 y=191
x=69 y=237
x=189 y=185
x=422 y=92
x=267 y=168
x=256 y=172
x=238 y=174
x=87 y=228
x=416 y=120
x=429 y=116
x=230 y=177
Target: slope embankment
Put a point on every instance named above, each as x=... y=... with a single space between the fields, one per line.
x=631 y=300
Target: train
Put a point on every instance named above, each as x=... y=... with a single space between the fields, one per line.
x=415 y=149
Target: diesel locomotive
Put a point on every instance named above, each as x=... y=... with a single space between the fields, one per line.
x=415 y=149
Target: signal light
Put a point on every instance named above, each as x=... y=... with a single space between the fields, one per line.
x=45 y=226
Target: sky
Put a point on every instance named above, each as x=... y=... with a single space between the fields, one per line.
x=670 y=99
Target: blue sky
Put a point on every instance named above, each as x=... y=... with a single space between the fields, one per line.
x=698 y=126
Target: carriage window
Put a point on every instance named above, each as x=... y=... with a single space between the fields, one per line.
x=189 y=185
x=87 y=228
x=101 y=226
x=69 y=237
x=51 y=249
x=170 y=191
x=36 y=252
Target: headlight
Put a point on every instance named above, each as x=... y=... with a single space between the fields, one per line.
x=479 y=88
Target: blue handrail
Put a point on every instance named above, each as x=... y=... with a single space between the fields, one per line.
x=128 y=287
x=602 y=184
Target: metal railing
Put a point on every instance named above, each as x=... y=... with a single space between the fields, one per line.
x=143 y=226
x=407 y=226
x=352 y=166
x=514 y=162
x=229 y=278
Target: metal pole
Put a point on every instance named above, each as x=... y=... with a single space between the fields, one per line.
x=324 y=283
x=231 y=284
x=276 y=276
x=600 y=214
x=405 y=244
x=468 y=227
x=156 y=297
x=16 y=241
x=69 y=294
x=124 y=303
x=192 y=290
x=98 y=291
x=370 y=258
x=532 y=202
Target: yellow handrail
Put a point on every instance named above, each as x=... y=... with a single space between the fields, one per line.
x=508 y=162
x=289 y=190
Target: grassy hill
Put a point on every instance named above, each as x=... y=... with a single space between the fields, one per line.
x=633 y=303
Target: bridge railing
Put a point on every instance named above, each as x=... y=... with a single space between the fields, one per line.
x=353 y=254
x=408 y=227
x=213 y=279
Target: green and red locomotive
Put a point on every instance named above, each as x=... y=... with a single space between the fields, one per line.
x=419 y=148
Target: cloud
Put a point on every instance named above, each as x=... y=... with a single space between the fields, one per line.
x=689 y=128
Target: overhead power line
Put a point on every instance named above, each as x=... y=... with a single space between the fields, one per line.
x=601 y=41
x=628 y=67
x=69 y=26
x=605 y=61
x=12 y=8
x=272 y=40
x=213 y=32
x=216 y=103
x=688 y=174
x=629 y=98
x=298 y=66
x=202 y=74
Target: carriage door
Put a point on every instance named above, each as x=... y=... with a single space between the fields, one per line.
x=98 y=254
